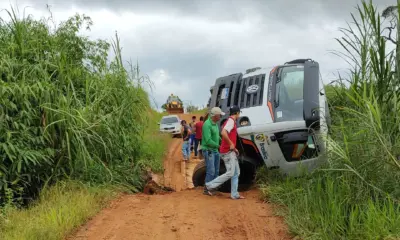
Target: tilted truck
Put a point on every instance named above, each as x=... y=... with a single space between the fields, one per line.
x=284 y=118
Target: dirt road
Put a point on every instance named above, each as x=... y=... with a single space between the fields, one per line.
x=184 y=214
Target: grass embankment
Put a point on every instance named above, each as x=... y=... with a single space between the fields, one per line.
x=200 y=111
x=356 y=195
x=74 y=129
x=61 y=208
x=68 y=204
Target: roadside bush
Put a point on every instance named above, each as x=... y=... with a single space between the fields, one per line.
x=64 y=111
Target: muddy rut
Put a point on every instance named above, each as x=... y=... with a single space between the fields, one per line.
x=185 y=213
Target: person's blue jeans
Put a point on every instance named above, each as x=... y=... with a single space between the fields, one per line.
x=196 y=145
x=186 y=150
x=192 y=139
x=212 y=160
x=232 y=172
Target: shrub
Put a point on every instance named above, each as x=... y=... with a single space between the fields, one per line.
x=64 y=111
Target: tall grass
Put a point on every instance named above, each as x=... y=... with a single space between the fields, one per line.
x=61 y=208
x=356 y=196
x=64 y=111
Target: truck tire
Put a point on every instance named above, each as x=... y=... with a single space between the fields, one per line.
x=246 y=177
x=199 y=174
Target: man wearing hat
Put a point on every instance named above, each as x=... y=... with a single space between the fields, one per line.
x=210 y=144
x=229 y=154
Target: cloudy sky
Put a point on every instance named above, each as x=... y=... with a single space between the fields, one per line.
x=183 y=46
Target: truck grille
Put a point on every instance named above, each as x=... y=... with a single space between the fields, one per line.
x=232 y=90
x=245 y=100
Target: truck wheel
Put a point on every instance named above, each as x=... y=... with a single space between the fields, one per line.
x=199 y=174
x=246 y=177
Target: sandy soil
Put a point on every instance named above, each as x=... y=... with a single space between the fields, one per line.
x=184 y=214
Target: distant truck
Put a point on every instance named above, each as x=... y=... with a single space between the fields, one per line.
x=174 y=105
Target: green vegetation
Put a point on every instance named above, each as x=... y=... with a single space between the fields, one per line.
x=154 y=144
x=202 y=111
x=64 y=206
x=356 y=195
x=75 y=128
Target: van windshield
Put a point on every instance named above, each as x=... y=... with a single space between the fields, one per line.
x=289 y=94
x=169 y=120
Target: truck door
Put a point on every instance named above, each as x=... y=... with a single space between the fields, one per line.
x=294 y=97
x=294 y=92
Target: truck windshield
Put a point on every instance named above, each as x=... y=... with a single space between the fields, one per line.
x=169 y=120
x=289 y=94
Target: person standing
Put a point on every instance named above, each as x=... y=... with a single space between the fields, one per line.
x=210 y=145
x=197 y=138
x=185 y=136
x=192 y=136
x=229 y=155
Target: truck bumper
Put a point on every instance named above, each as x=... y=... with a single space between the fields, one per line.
x=271 y=153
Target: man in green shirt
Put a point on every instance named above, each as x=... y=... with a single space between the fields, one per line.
x=210 y=144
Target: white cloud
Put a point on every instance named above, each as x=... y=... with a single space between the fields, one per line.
x=184 y=53
x=164 y=85
x=235 y=43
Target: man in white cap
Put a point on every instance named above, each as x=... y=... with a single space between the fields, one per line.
x=210 y=145
x=229 y=155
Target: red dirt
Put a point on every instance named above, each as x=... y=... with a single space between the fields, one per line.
x=184 y=214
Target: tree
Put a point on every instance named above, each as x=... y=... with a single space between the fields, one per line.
x=191 y=108
x=392 y=13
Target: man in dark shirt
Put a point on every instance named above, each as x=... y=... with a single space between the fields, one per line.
x=192 y=135
x=185 y=136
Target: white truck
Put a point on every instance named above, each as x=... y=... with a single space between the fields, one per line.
x=283 y=121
